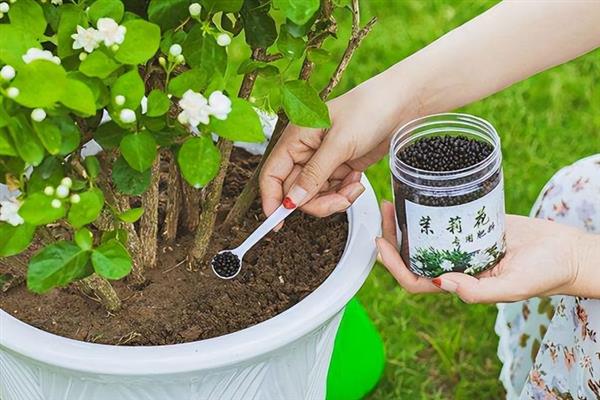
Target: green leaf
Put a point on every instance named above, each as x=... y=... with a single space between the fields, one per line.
x=141 y=42
x=49 y=135
x=49 y=173
x=92 y=166
x=168 y=13
x=14 y=44
x=41 y=84
x=242 y=123
x=260 y=28
x=109 y=135
x=6 y=146
x=128 y=180
x=202 y=51
x=199 y=160
x=319 y=56
x=57 y=265
x=25 y=140
x=111 y=260
x=98 y=88
x=70 y=16
x=195 y=79
x=303 y=105
x=290 y=46
x=37 y=210
x=84 y=239
x=106 y=9
x=264 y=68
x=131 y=86
x=88 y=209
x=70 y=135
x=98 y=64
x=131 y=215
x=118 y=234
x=15 y=239
x=28 y=16
x=228 y=6
x=139 y=150
x=158 y=103
x=79 y=97
x=298 y=11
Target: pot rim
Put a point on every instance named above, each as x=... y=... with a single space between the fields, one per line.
x=301 y=319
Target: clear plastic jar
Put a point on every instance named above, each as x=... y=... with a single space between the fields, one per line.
x=452 y=220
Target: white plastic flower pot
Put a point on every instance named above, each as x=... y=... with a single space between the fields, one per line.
x=284 y=358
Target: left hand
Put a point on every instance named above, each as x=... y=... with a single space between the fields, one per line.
x=541 y=259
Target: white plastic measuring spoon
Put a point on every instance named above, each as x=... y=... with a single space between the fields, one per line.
x=228 y=263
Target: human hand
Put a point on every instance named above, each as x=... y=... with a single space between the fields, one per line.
x=542 y=258
x=320 y=170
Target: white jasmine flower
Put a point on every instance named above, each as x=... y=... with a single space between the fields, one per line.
x=7 y=72
x=175 y=50
x=75 y=198
x=68 y=182
x=48 y=190
x=38 y=114
x=119 y=100
x=111 y=32
x=62 y=191
x=4 y=7
x=9 y=212
x=86 y=39
x=195 y=9
x=481 y=259
x=219 y=105
x=447 y=265
x=12 y=92
x=195 y=109
x=38 y=54
x=223 y=39
x=56 y=2
x=56 y=203
x=82 y=56
x=127 y=115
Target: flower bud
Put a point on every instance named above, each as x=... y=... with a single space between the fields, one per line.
x=4 y=7
x=48 y=190
x=62 y=191
x=82 y=56
x=114 y=47
x=56 y=203
x=38 y=114
x=195 y=9
x=12 y=92
x=180 y=59
x=119 y=99
x=68 y=182
x=1 y=15
x=183 y=119
x=175 y=50
x=223 y=39
x=7 y=72
x=127 y=116
x=75 y=198
x=162 y=61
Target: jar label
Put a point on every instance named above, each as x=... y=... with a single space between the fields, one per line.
x=464 y=238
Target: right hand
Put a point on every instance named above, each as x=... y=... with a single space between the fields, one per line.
x=319 y=170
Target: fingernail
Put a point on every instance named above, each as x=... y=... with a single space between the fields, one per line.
x=357 y=191
x=445 y=284
x=295 y=197
x=338 y=206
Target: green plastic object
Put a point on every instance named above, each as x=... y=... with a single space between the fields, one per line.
x=358 y=356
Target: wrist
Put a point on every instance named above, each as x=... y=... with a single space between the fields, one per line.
x=586 y=282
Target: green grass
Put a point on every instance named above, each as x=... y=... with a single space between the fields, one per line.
x=438 y=347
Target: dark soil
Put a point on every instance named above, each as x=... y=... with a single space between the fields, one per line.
x=180 y=305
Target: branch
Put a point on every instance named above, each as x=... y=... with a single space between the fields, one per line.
x=173 y=191
x=149 y=220
x=101 y=290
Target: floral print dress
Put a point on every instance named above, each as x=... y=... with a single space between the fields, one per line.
x=550 y=347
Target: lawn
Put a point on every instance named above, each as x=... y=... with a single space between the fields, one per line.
x=438 y=347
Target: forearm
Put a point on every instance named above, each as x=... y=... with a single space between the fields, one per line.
x=587 y=280
x=506 y=44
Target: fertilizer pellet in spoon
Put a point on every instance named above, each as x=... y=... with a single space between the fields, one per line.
x=228 y=263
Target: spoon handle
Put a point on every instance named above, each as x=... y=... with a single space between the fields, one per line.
x=267 y=226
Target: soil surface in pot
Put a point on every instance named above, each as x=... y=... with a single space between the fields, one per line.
x=180 y=305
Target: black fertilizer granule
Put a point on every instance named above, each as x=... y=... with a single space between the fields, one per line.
x=226 y=264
